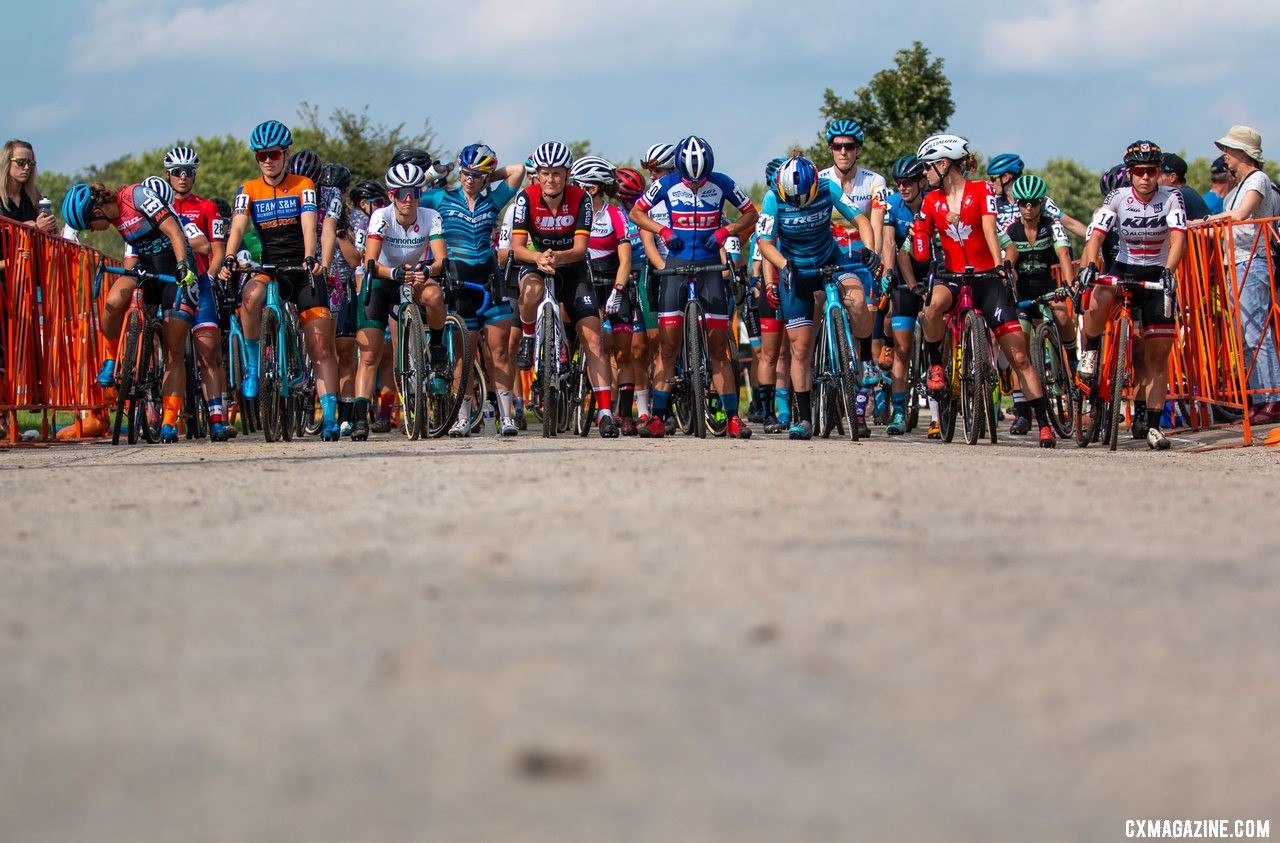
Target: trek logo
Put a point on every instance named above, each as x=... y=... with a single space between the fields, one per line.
x=695 y=219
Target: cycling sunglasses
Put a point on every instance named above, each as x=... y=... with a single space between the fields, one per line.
x=180 y=172
x=1030 y=203
x=1144 y=172
x=844 y=147
x=266 y=155
x=399 y=193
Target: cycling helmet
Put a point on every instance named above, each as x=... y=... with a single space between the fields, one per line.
x=592 y=169
x=1005 y=162
x=630 y=183
x=160 y=187
x=1113 y=179
x=1028 y=187
x=335 y=175
x=552 y=154
x=77 y=205
x=367 y=190
x=844 y=128
x=771 y=172
x=478 y=158
x=406 y=174
x=268 y=134
x=1143 y=152
x=907 y=167
x=797 y=182
x=420 y=157
x=942 y=147
x=181 y=156
x=660 y=156
x=694 y=159
x=224 y=208
x=306 y=163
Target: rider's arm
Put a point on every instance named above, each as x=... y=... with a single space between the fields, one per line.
x=308 y=221
x=173 y=230
x=1176 y=218
x=1065 y=271
x=350 y=253
x=640 y=211
x=766 y=230
x=581 y=234
x=1103 y=219
x=770 y=252
x=1072 y=224
x=651 y=252
x=512 y=174
x=520 y=231
x=328 y=240
x=438 y=255
x=624 y=264
x=372 y=251
x=992 y=235
x=922 y=235
x=235 y=232
x=905 y=269
x=851 y=212
x=1177 y=247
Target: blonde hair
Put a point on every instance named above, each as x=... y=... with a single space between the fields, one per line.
x=30 y=187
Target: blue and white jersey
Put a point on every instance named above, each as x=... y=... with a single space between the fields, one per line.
x=898 y=215
x=638 y=256
x=695 y=213
x=468 y=231
x=804 y=234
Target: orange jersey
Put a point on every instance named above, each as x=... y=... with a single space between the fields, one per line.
x=276 y=213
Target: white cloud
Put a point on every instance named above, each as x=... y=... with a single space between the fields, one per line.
x=44 y=116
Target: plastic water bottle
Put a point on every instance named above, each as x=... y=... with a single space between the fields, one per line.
x=488 y=423
x=46 y=205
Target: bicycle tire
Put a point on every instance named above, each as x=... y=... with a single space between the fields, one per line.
x=442 y=408
x=1050 y=360
x=584 y=399
x=125 y=380
x=410 y=372
x=972 y=401
x=843 y=373
x=308 y=393
x=696 y=372
x=1119 y=375
x=949 y=403
x=548 y=376
x=195 y=410
x=479 y=394
x=915 y=366
x=149 y=400
x=235 y=376
x=270 y=411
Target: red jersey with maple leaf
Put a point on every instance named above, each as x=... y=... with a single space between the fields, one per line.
x=963 y=243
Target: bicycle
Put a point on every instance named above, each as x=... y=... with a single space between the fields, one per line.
x=551 y=363
x=280 y=373
x=1102 y=401
x=837 y=372
x=1050 y=360
x=970 y=367
x=430 y=391
x=228 y=305
x=140 y=368
x=195 y=408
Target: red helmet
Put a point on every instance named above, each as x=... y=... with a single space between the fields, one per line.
x=630 y=184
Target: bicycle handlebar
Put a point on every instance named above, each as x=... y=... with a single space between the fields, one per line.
x=1060 y=294
x=139 y=273
x=691 y=270
x=1124 y=281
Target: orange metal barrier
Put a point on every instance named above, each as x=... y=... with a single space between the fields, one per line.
x=49 y=326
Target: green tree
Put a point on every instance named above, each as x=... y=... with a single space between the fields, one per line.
x=353 y=139
x=897 y=109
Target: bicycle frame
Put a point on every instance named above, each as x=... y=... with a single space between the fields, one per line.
x=839 y=357
x=961 y=308
x=132 y=388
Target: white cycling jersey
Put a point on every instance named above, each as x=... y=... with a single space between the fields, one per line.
x=1143 y=227
x=404 y=245
x=662 y=216
x=504 y=233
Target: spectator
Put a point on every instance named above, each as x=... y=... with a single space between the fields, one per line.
x=1252 y=198
x=19 y=197
x=1221 y=185
x=1174 y=174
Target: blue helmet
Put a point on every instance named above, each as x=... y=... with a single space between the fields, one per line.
x=77 y=205
x=907 y=167
x=1005 y=162
x=694 y=158
x=844 y=128
x=268 y=134
x=797 y=182
x=771 y=172
x=478 y=158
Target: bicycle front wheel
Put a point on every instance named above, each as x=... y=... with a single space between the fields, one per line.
x=148 y=403
x=448 y=377
x=1119 y=377
x=479 y=394
x=126 y=370
x=410 y=371
x=1050 y=361
x=270 y=405
x=973 y=355
x=195 y=409
x=915 y=379
x=584 y=399
x=696 y=360
x=844 y=369
x=549 y=372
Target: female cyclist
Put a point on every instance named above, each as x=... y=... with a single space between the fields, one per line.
x=631 y=186
x=906 y=294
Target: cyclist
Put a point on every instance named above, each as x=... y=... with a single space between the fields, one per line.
x=963 y=214
x=1033 y=244
x=795 y=238
x=1152 y=226
x=551 y=227
x=866 y=190
x=181 y=164
x=658 y=160
x=395 y=254
x=468 y=214
x=343 y=258
x=768 y=372
x=695 y=195
x=1002 y=171
x=906 y=292
x=155 y=234
x=282 y=208
x=609 y=256
x=631 y=186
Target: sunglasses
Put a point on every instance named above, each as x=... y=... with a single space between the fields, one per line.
x=1144 y=172
x=905 y=182
x=401 y=193
x=24 y=162
x=269 y=155
x=1030 y=203
x=843 y=147
x=467 y=174
x=183 y=172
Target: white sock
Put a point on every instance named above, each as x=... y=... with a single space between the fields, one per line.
x=464 y=414
x=642 y=402
x=934 y=410
x=504 y=403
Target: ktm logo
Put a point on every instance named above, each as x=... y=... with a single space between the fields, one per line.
x=1143 y=222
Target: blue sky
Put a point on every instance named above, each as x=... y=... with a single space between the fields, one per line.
x=1073 y=78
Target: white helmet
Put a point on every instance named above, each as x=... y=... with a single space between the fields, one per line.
x=160 y=187
x=592 y=169
x=660 y=156
x=552 y=154
x=937 y=147
x=406 y=175
x=181 y=156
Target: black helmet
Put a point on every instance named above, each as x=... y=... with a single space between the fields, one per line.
x=1113 y=179
x=335 y=175
x=908 y=167
x=367 y=190
x=305 y=163
x=223 y=206
x=412 y=156
x=1143 y=152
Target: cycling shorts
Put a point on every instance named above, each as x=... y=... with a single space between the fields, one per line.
x=469 y=301
x=572 y=287
x=1032 y=287
x=673 y=295
x=310 y=293
x=1148 y=305
x=906 y=307
x=378 y=301
x=647 y=298
x=207 y=311
x=346 y=317
x=173 y=301
x=991 y=295
x=797 y=298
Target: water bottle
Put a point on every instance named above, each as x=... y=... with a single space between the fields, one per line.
x=488 y=423
x=46 y=205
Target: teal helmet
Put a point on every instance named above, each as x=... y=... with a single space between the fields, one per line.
x=1028 y=187
x=269 y=134
x=77 y=205
x=1006 y=162
x=844 y=128
x=771 y=171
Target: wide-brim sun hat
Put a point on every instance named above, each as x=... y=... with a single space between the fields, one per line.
x=1244 y=139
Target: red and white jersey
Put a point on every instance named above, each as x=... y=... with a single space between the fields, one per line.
x=204 y=215
x=608 y=229
x=1144 y=227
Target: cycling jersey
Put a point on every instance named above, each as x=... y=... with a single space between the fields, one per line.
x=804 y=234
x=141 y=213
x=276 y=213
x=867 y=192
x=1007 y=211
x=404 y=245
x=1036 y=258
x=963 y=241
x=637 y=245
x=204 y=215
x=504 y=231
x=1144 y=227
x=608 y=229
x=468 y=230
x=552 y=231
x=694 y=213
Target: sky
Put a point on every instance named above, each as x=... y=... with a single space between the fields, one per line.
x=1073 y=78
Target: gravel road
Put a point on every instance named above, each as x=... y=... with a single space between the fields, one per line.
x=580 y=640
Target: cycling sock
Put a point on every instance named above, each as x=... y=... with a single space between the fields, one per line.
x=864 y=349
x=1041 y=407
x=345 y=406
x=329 y=408
x=385 y=399
x=1092 y=343
x=172 y=408
x=766 y=398
x=604 y=400
x=861 y=404
x=1139 y=409
x=642 y=402
x=505 y=408
x=900 y=403
x=527 y=328
x=782 y=402
x=252 y=352
x=361 y=410
x=464 y=411
x=804 y=409
x=934 y=409
x=626 y=395
x=1153 y=417
x=661 y=400
x=730 y=403
x=1070 y=349
x=881 y=400
x=933 y=352
x=216 y=413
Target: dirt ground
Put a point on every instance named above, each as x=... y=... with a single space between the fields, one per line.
x=677 y=640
